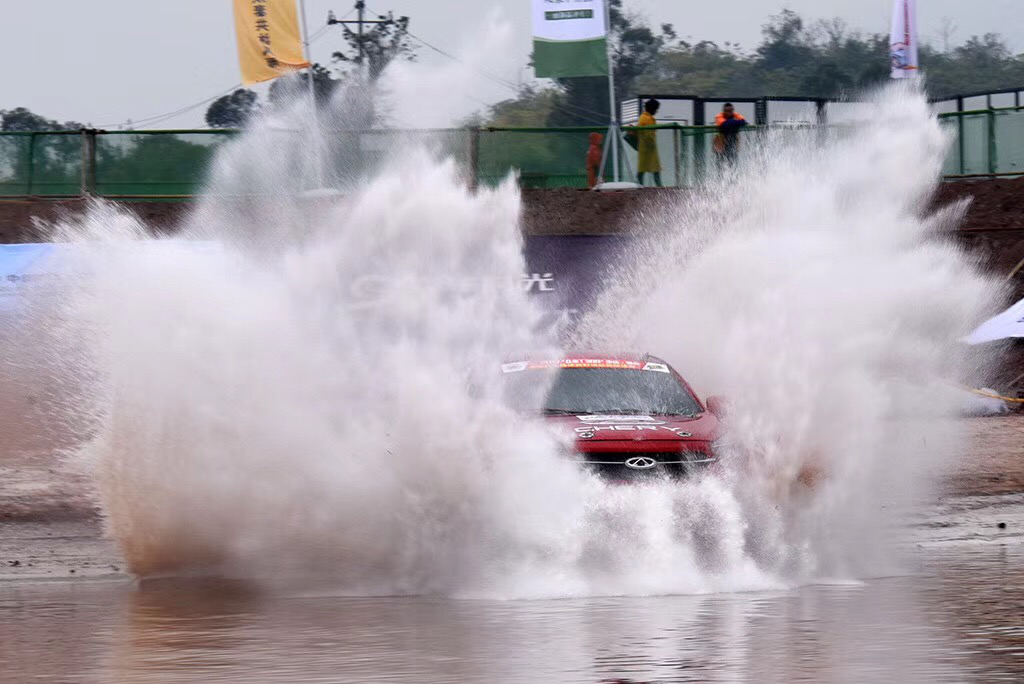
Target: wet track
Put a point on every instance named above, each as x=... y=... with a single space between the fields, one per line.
x=955 y=617
x=952 y=612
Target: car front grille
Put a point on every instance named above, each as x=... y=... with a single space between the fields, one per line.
x=613 y=465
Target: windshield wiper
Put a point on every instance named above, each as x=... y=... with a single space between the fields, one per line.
x=565 y=412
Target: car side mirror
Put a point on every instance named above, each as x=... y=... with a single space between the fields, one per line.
x=716 y=406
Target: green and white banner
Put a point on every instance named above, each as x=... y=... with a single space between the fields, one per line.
x=569 y=38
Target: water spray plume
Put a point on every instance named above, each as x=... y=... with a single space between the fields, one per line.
x=254 y=417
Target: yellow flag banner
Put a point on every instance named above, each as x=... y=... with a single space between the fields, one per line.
x=268 y=39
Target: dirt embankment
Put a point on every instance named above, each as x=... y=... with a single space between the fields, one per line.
x=996 y=205
x=25 y=220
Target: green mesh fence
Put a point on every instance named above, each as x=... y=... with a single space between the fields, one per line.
x=160 y=164
x=986 y=142
x=15 y=164
x=169 y=164
x=556 y=158
x=701 y=156
x=355 y=156
x=974 y=133
x=544 y=158
x=1009 y=141
x=953 y=163
x=41 y=164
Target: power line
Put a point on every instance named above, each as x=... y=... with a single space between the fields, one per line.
x=160 y=118
x=496 y=79
x=157 y=118
x=590 y=114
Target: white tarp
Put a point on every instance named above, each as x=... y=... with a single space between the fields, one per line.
x=903 y=40
x=1008 y=324
x=974 y=404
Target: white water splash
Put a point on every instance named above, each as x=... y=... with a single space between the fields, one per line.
x=255 y=418
x=811 y=288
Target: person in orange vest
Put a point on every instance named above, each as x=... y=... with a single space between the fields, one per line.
x=594 y=159
x=648 y=160
x=727 y=140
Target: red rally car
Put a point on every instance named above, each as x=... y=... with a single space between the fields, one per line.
x=632 y=415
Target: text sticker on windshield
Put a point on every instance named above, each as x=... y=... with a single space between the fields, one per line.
x=600 y=363
x=515 y=367
x=656 y=367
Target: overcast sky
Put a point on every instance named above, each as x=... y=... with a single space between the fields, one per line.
x=106 y=61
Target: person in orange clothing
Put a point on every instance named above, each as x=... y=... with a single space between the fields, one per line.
x=727 y=140
x=594 y=159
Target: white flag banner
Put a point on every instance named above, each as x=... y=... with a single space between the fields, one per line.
x=1006 y=325
x=569 y=38
x=903 y=40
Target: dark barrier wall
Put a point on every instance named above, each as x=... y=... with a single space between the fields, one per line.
x=566 y=272
x=569 y=272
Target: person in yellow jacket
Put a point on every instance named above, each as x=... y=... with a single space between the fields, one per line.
x=647 y=144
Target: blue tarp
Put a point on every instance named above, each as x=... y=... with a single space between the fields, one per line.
x=21 y=264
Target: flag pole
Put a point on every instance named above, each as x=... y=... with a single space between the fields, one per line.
x=613 y=109
x=309 y=57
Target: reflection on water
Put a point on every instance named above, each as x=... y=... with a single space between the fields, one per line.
x=958 y=619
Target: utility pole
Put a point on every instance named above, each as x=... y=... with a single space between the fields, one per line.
x=360 y=20
x=309 y=56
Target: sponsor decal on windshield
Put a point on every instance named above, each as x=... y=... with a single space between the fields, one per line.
x=656 y=367
x=601 y=363
x=621 y=364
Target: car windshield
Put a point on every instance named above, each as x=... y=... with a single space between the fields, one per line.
x=600 y=390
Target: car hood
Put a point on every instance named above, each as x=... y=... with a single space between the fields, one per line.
x=639 y=428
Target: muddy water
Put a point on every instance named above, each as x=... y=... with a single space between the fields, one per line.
x=956 y=615
x=953 y=613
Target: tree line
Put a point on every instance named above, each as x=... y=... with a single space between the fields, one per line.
x=795 y=57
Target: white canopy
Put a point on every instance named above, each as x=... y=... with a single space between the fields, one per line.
x=1008 y=324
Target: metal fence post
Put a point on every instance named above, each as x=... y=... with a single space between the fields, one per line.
x=31 y=162
x=993 y=162
x=960 y=133
x=961 y=147
x=677 y=154
x=88 y=185
x=474 y=158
